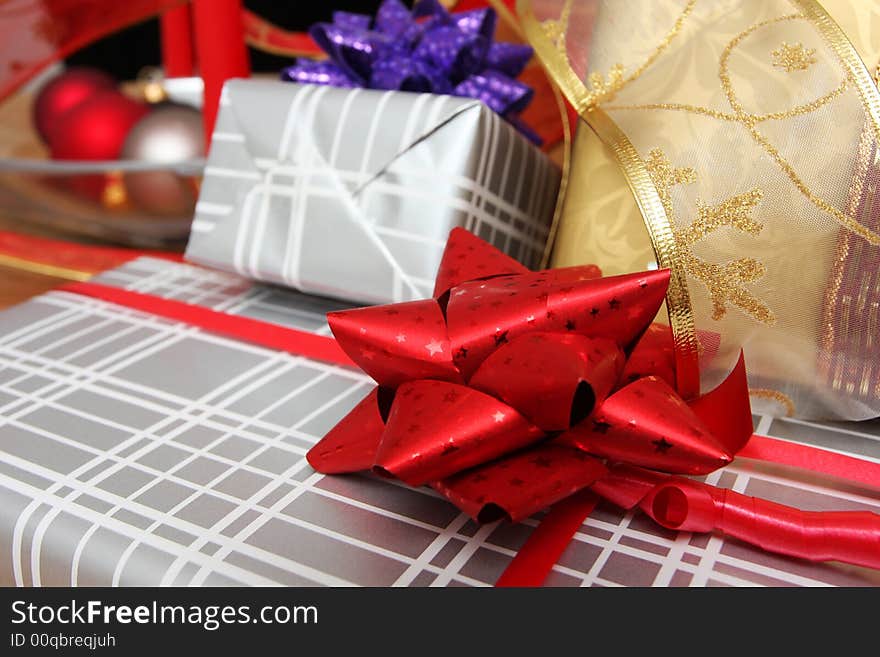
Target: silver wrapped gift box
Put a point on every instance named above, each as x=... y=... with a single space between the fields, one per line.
x=140 y=451
x=351 y=193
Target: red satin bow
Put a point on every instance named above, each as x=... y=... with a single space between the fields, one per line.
x=512 y=389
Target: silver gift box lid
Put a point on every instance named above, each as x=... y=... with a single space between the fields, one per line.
x=351 y=193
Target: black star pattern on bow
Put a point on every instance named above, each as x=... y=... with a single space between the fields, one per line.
x=542 y=462
x=500 y=338
x=662 y=445
x=461 y=352
x=570 y=325
x=594 y=312
x=614 y=304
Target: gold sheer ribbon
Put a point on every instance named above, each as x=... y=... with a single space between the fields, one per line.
x=741 y=129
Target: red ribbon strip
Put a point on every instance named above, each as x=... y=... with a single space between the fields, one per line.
x=814 y=459
x=282 y=338
x=535 y=559
x=220 y=51
x=176 y=38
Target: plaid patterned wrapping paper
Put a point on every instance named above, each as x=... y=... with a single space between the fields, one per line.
x=139 y=451
x=351 y=193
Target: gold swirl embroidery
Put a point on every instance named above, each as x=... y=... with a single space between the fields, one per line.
x=724 y=282
x=771 y=150
x=754 y=119
x=664 y=42
x=793 y=57
x=751 y=121
x=604 y=87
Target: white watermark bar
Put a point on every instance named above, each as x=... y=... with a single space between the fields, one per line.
x=210 y=617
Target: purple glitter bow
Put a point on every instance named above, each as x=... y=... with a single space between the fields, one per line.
x=426 y=50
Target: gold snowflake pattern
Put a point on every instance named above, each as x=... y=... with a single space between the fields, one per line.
x=793 y=57
x=724 y=282
x=556 y=29
x=604 y=87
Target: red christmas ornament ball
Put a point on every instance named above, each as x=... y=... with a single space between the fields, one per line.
x=64 y=92
x=96 y=128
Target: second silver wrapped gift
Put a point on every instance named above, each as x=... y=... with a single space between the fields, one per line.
x=351 y=193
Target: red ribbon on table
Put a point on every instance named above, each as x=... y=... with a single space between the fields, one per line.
x=510 y=390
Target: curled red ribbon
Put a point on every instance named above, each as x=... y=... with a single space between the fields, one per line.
x=511 y=390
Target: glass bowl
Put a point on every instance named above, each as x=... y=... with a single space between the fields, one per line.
x=90 y=199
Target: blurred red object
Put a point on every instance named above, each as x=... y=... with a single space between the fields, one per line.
x=220 y=50
x=263 y=35
x=176 y=35
x=36 y=33
x=96 y=128
x=64 y=92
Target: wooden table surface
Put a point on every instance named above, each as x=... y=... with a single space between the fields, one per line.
x=17 y=285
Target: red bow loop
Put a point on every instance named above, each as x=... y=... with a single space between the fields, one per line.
x=468 y=258
x=397 y=343
x=648 y=424
x=436 y=429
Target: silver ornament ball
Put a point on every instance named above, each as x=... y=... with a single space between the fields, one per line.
x=169 y=133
